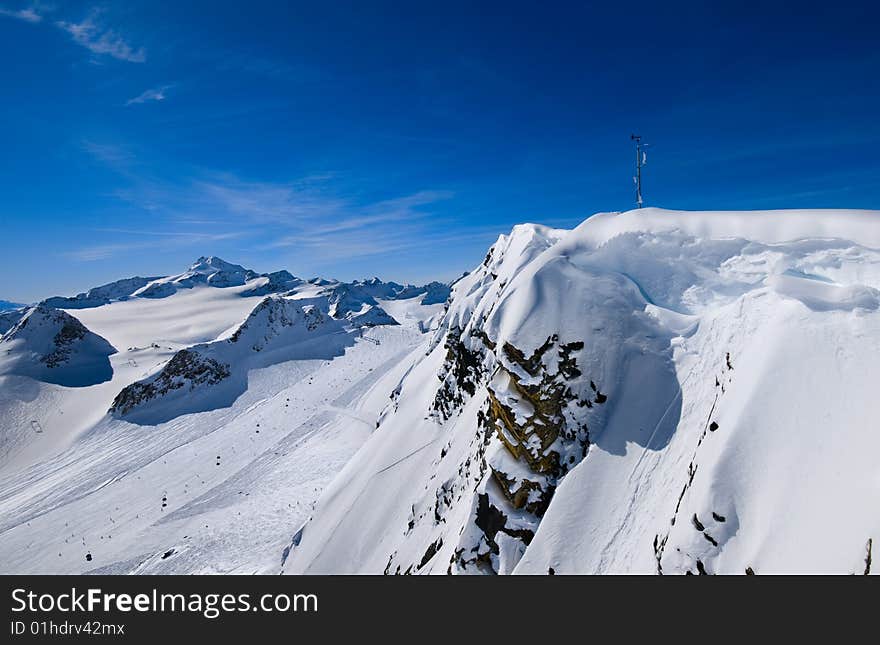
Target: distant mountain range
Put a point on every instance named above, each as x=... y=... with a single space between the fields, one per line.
x=215 y=272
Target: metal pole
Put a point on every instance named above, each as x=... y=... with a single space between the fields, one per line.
x=638 y=140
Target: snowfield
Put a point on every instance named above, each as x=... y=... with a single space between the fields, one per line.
x=651 y=392
x=199 y=479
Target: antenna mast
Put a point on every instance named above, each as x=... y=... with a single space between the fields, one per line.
x=641 y=158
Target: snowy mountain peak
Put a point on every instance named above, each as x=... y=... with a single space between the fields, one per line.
x=213 y=264
x=210 y=271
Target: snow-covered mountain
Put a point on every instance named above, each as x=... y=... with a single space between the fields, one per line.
x=202 y=443
x=652 y=391
x=98 y=296
x=52 y=346
x=355 y=301
x=187 y=343
x=210 y=271
x=210 y=375
x=5 y=304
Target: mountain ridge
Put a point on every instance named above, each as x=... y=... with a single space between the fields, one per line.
x=621 y=357
x=213 y=271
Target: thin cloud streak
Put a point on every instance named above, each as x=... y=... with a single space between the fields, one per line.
x=154 y=94
x=100 y=40
x=308 y=214
x=115 y=156
x=27 y=15
x=89 y=33
x=362 y=245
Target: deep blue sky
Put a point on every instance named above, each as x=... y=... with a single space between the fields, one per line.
x=367 y=138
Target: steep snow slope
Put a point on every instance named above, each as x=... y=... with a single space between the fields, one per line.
x=45 y=353
x=9 y=318
x=652 y=391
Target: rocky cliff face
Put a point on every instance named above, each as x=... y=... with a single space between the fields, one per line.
x=531 y=421
x=510 y=415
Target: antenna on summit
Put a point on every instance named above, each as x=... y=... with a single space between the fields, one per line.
x=641 y=159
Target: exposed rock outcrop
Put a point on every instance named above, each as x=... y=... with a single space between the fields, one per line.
x=186 y=369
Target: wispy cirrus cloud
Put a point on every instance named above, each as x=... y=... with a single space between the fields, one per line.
x=291 y=210
x=370 y=228
x=325 y=250
x=321 y=227
x=28 y=14
x=91 y=32
x=99 y=39
x=154 y=94
x=313 y=215
x=114 y=155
